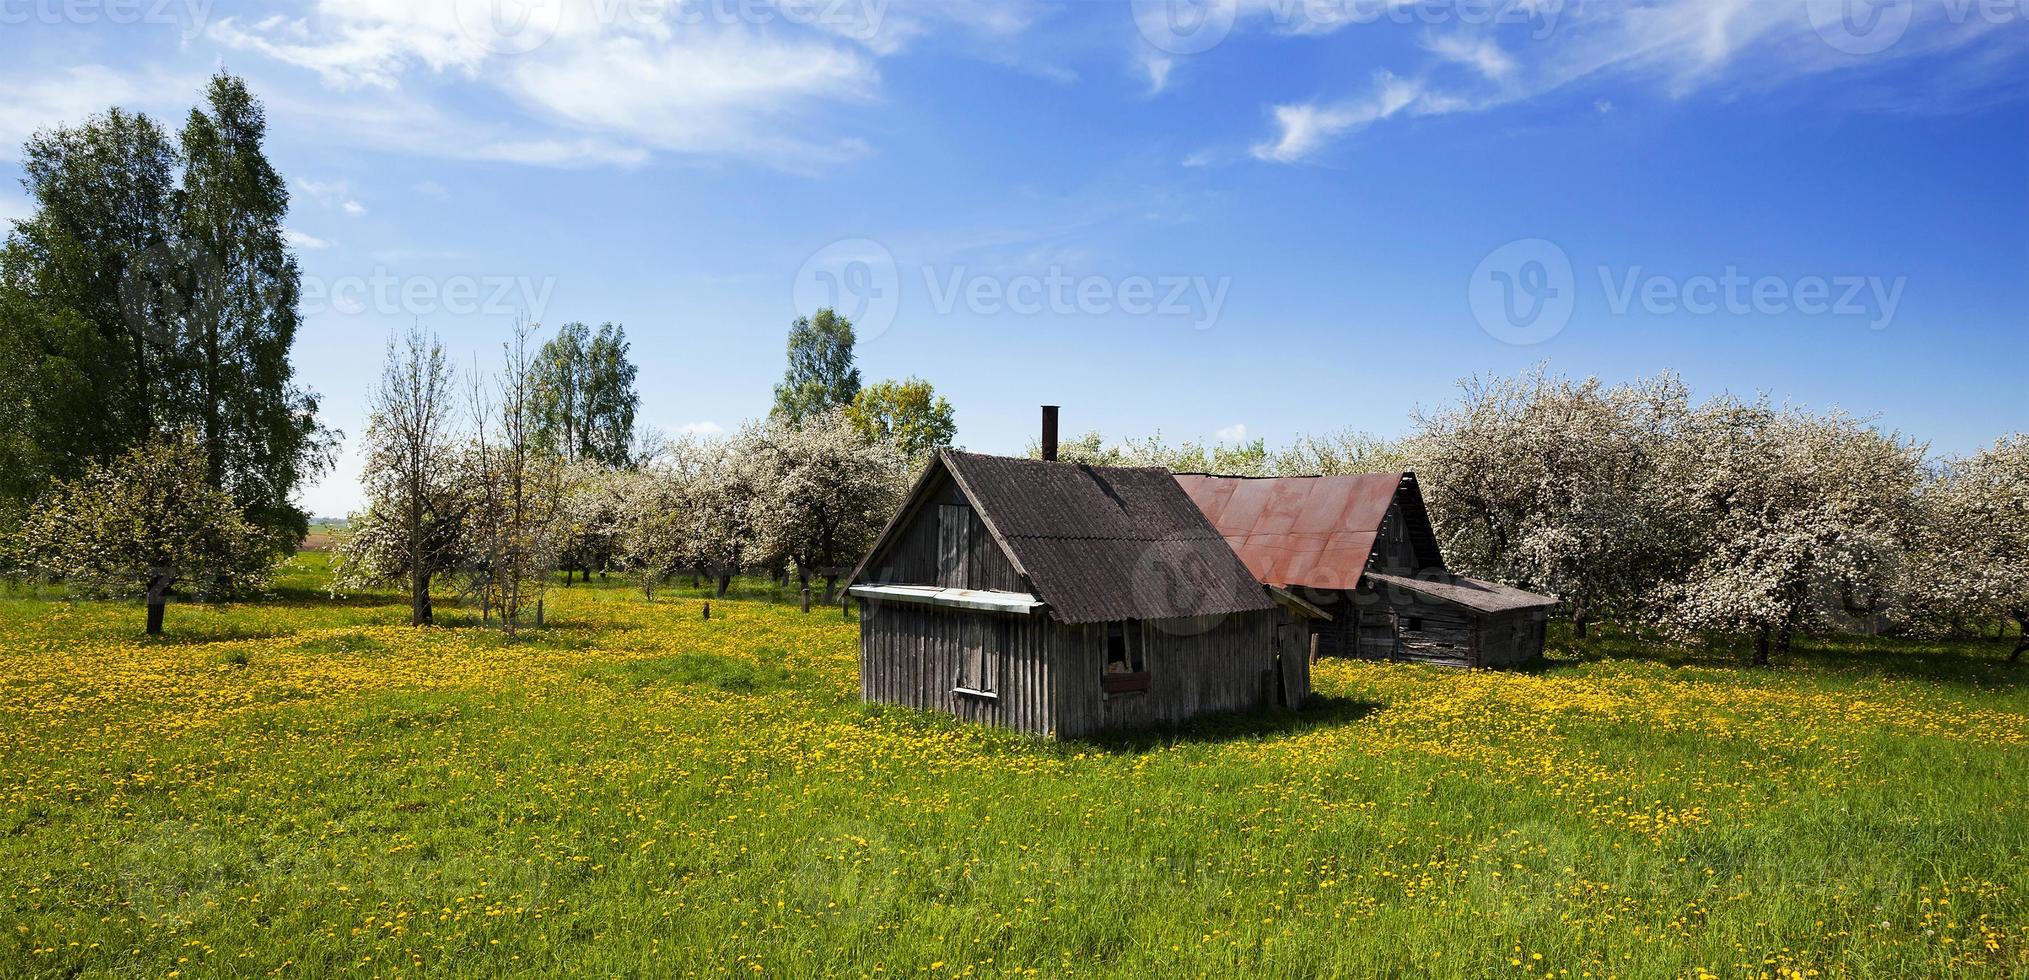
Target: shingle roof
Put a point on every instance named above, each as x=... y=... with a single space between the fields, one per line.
x=1472 y=593
x=1102 y=543
x=1312 y=531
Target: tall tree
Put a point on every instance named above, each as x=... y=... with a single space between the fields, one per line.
x=143 y=524
x=412 y=471
x=240 y=285
x=84 y=320
x=821 y=376
x=518 y=490
x=910 y=414
x=131 y=306
x=585 y=397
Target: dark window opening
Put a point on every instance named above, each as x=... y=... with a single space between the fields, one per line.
x=1415 y=624
x=1126 y=669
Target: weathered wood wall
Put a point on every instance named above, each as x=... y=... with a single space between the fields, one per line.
x=914 y=558
x=1511 y=638
x=910 y=655
x=1195 y=668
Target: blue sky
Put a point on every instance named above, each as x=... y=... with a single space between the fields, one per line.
x=1258 y=216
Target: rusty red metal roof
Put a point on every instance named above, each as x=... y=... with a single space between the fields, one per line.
x=1313 y=531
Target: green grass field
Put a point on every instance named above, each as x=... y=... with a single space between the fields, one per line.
x=303 y=787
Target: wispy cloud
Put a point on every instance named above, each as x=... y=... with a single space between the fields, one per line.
x=1302 y=128
x=305 y=240
x=333 y=194
x=1680 y=48
x=578 y=82
x=1237 y=432
x=702 y=429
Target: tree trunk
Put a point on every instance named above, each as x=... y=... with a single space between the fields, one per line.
x=2022 y=621
x=725 y=582
x=421 y=613
x=158 y=600
x=830 y=589
x=1761 y=647
x=1581 y=617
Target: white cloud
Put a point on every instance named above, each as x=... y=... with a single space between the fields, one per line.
x=596 y=82
x=1719 y=48
x=65 y=98
x=1157 y=66
x=702 y=429
x=305 y=240
x=1303 y=128
x=335 y=194
x=1481 y=54
x=1237 y=432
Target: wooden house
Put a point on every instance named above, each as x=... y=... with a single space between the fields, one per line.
x=1360 y=547
x=1063 y=599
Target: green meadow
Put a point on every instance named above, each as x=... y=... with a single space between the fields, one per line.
x=303 y=787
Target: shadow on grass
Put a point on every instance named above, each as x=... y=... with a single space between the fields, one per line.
x=1321 y=711
x=1977 y=662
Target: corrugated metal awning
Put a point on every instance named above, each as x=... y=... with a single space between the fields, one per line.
x=1020 y=603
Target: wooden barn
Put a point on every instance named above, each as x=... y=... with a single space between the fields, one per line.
x=1361 y=548
x=1063 y=599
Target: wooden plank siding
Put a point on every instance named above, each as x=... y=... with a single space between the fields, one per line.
x=911 y=655
x=1195 y=667
x=914 y=558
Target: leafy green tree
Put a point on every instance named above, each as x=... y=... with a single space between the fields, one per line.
x=144 y=524
x=585 y=399
x=907 y=413
x=132 y=305
x=83 y=322
x=231 y=376
x=821 y=376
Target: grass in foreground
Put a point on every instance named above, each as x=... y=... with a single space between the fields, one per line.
x=303 y=787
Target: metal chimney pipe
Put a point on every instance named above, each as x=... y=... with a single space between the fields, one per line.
x=1050 y=432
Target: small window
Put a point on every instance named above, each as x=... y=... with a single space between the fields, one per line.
x=976 y=673
x=1415 y=624
x=1126 y=670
